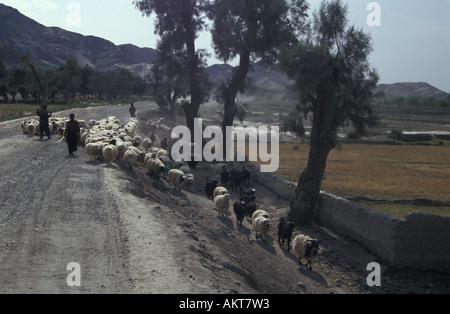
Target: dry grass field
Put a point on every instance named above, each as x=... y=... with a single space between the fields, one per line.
x=403 y=172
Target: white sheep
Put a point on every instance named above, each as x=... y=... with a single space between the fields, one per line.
x=260 y=213
x=31 y=127
x=137 y=140
x=147 y=143
x=176 y=178
x=130 y=158
x=155 y=166
x=222 y=204
x=261 y=226
x=162 y=152
x=121 y=149
x=189 y=180
x=305 y=247
x=109 y=154
x=92 y=151
x=220 y=190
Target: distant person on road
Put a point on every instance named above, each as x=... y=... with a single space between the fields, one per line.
x=72 y=134
x=132 y=110
x=164 y=143
x=44 y=127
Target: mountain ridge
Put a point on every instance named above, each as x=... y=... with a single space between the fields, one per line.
x=409 y=89
x=52 y=46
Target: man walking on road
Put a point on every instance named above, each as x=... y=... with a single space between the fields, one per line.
x=44 y=115
x=72 y=134
x=132 y=110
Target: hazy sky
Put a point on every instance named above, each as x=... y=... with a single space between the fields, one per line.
x=412 y=44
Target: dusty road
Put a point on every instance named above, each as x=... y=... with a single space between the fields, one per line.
x=131 y=233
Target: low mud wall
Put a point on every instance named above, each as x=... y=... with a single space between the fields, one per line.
x=419 y=241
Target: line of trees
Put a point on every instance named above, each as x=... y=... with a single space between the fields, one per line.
x=66 y=82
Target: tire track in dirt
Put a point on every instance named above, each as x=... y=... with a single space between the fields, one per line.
x=54 y=211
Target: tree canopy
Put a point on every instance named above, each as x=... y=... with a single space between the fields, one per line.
x=251 y=30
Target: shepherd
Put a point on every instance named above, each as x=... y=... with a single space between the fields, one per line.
x=72 y=134
x=132 y=110
x=44 y=115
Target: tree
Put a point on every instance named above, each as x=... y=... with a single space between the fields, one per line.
x=17 y=81
x=43 y=88
x=168 y=85
x=250 y=30
x=336 y=83
x=86 y=74
x=178 y=23
x=69 y=76
x=3 y=80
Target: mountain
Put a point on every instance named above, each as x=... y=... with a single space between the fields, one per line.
x=411 y=89
x=52 y=46
x=259 y=74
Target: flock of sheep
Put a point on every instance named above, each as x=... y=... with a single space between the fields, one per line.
x=108 y=140
x=31 y=126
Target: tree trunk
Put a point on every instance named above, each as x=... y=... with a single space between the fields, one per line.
x=323 y=140
x=231 y=92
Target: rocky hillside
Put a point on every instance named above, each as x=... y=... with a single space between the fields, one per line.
x=260 y=75
x=411 y=89
x=51 y=46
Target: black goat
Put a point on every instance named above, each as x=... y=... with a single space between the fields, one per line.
x=236 y=179
x=250 y=209
x=225 y=178
x=246 y=175
x=285 y=230
x=209 y=188
x=240 y=208
x=247 y=195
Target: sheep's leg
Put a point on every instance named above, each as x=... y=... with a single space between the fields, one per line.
x=310 y=264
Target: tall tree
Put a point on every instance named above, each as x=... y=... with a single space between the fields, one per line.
x=43 y=88
x=168 y=85
x=251 y=30
x=336 y=83
x=70 y=77
x=3 y=80
x=178 y=23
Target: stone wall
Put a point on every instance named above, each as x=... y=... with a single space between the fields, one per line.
x=419 y=241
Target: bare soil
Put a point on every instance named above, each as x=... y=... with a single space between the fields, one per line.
x=131 y=233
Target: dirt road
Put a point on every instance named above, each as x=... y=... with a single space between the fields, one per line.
x=131 y=233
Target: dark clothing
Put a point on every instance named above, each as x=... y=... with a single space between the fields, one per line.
x=132 y=111
x=44 y=127
x=72 y=134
